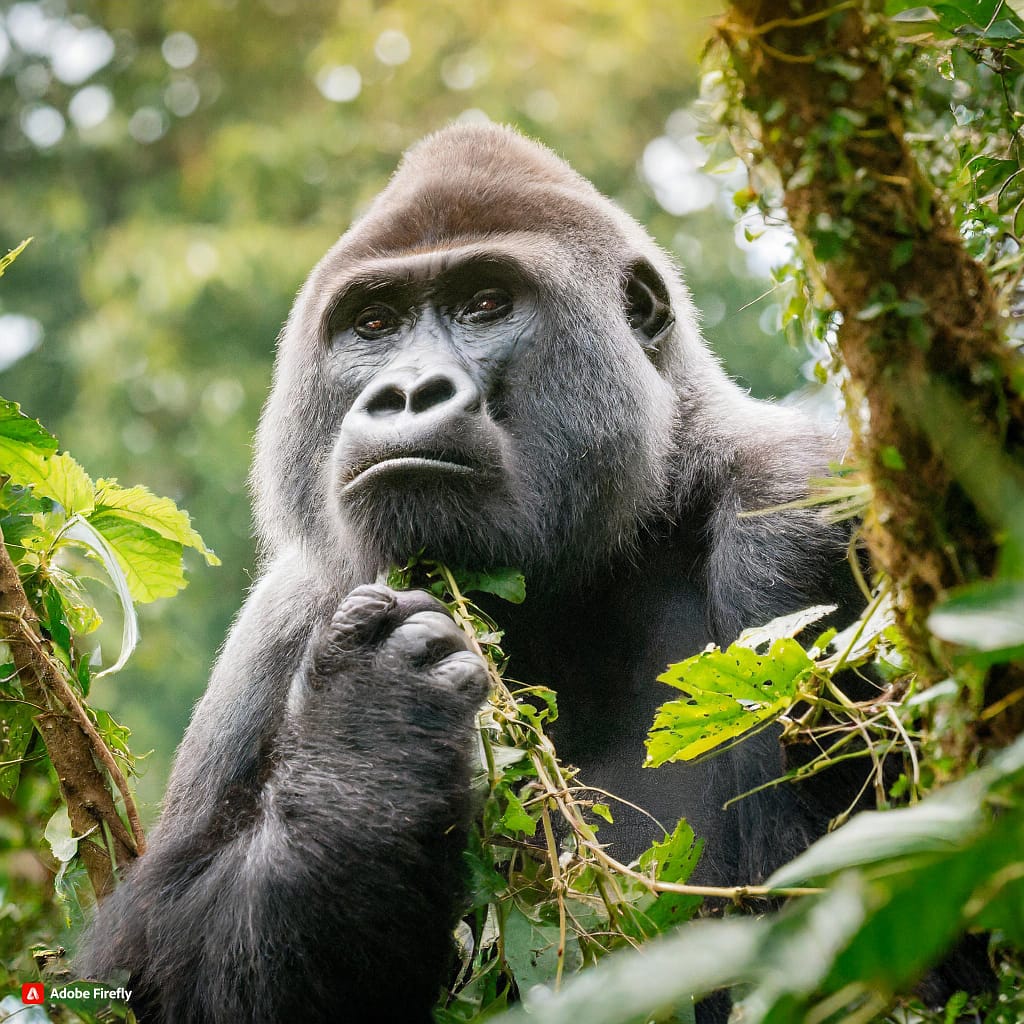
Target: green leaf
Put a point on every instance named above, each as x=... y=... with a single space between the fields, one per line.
x=139 y=505
x=1003 y=29
x=26 y=456
x=114 y=734
x=507 y=583
x=17 y=429
x=16 y=728
x=64 y=480
x=634 y=986
x=933 y=826
x=12 y=255
x=944 y=821
x=55 y=621
x=603 y=811
x=516 y=818
x=483 y=882
x=729 y=692
x=985 y=616
x=891 y=458
x=672 y=860
x=531 y=950
x=151 y=564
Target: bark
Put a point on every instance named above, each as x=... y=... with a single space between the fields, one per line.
x=72 y=751
x=920 y=334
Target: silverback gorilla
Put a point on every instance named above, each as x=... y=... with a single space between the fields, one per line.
x=497 y=366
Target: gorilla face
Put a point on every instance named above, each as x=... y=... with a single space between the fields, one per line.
x=461 y=376
x=425 y=457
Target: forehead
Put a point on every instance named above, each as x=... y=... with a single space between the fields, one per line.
x=527 y=258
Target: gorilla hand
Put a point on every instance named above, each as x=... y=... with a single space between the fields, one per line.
x=394 y=668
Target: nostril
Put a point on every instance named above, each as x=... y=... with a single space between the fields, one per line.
x=430 y=393
x=386 y=401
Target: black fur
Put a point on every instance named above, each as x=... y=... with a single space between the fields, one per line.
x=306 y=862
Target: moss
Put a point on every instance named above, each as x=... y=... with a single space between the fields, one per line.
x=920 y=328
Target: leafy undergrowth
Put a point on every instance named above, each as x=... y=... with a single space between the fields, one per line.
x=872 y=905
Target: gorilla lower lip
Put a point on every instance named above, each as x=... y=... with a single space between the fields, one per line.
x=407 y=464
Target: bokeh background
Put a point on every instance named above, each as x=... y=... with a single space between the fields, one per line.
x=182 y=165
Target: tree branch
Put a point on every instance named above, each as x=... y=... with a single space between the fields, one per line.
x=72 y=742
x=919 y=315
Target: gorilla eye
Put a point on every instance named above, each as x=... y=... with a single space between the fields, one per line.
x=376 y=322
x=486 y=307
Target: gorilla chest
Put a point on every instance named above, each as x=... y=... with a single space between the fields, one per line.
x=602 y=654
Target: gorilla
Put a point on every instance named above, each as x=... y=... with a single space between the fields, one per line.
x=497 y=366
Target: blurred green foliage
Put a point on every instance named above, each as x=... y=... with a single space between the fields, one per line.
x=183 y=164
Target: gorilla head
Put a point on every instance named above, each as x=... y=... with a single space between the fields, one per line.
x=488 y=366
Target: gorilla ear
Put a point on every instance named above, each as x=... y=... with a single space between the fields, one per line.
x=647 y=305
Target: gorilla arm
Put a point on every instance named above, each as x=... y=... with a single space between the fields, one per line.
x=297 y=885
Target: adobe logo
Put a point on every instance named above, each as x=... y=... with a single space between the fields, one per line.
x=32 y=993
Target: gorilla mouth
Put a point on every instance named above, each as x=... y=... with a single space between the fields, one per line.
x=440 y=463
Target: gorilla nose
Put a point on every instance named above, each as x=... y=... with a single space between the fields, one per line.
x=439 y=394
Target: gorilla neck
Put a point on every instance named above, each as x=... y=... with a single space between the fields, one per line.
x=585 y=619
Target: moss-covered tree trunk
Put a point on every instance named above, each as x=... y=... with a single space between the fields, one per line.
x=920 y=336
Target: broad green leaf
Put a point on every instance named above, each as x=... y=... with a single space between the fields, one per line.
x=729 y=692
x=483 y=882
x=672 y=860
x=1002 y=895
x=505 y=582
x=64 y=480
x=151 y=563
x=945 y=820
x=796 y=952
x=139 y=505
x=58 y=477
x=16 y=728
x=516 y=818
x=6 y=261
x=933 y=826
x=986 y=616
x=637 y=985
x=907 y=925
x=531 y=950
x=83 y=532
x=603 y=811
x=17 y=429
x=1003 y=29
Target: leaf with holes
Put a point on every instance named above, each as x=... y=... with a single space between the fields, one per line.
x=728 y=693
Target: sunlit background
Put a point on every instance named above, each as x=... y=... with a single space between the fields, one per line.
x=182 y=165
